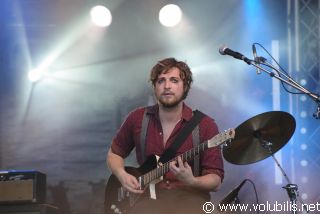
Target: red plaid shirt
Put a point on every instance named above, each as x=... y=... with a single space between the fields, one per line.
x=128 y=137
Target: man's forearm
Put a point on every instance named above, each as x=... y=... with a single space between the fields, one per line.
x=115 y=163
x=209 y=182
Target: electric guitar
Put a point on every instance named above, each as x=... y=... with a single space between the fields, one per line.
x=118 y=200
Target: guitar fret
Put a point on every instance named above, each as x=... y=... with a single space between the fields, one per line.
x=146 y=180
x=155 y=173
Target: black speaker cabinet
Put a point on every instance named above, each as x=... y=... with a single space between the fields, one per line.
x=29 y=209
x=22 y=187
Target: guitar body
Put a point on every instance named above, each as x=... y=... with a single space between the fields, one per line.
x=115 y=201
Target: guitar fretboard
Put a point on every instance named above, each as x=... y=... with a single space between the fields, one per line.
x=163 y=169
x=190 y=154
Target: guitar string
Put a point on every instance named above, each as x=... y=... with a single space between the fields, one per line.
x=161 y=170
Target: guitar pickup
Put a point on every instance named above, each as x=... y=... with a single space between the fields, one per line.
x=121 y=194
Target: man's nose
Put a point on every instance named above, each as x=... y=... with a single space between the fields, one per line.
x=167 y=84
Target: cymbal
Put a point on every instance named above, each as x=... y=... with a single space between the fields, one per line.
x=273 y=128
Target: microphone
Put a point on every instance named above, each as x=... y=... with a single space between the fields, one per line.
x=224 y=50
x=255 y=58
x=233 y=194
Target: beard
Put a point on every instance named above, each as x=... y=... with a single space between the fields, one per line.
x=169 y=103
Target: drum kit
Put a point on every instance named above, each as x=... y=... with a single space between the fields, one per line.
x=261 y=137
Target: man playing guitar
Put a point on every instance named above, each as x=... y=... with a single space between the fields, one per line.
x=185 y=187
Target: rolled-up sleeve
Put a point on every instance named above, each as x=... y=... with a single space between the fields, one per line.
x=211 y=159
x=123 y=143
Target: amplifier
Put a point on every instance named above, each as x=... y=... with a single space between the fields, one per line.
x=22 y=187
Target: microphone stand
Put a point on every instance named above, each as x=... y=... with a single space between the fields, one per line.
x=292 y=189
x=289 y=81
x=236 y=201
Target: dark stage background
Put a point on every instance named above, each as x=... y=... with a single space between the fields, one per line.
x=63 y=124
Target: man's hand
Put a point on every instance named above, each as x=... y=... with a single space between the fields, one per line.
x=182 y=171
x=129 y=182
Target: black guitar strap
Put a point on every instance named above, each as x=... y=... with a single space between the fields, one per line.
x=170 y=152
x=192 y=125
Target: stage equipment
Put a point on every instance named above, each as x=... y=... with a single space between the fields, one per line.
x=233 y=195
x=264 y=134
x=279 y=74
x=260 y=137
x=22 y=187
x=254 y=136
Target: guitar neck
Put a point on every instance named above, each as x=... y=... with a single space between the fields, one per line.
x=189 y=155
x=164 y=168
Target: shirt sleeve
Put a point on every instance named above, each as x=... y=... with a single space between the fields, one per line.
x=123 y=142
x=211 y=159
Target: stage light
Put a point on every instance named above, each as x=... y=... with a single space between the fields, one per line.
x=303 y=82
x=170 y=15
x=304 y=163
x=35 y=75
x=303 y=146
x=303 y=98
x=101 y=16
x=303 y=130
x=303 y=114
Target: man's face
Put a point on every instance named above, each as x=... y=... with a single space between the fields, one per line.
x=169 y=88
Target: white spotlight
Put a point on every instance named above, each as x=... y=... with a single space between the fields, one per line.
x=170 y=15
x=303 y=114
x=303 y=130
x=303 y=81
x=35 y=75
x=303 y=146
x=101 y=16
x=304 y=163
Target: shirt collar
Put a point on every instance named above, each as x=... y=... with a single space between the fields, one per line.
x=186 y=111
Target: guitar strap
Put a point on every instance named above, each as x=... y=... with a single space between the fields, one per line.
x=143 y=135
x=170 y=152
x=192 y=125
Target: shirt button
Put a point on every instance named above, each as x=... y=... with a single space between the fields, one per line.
x=160 y=133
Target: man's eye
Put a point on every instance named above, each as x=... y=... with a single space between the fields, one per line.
x=175 y=80
x=160 y=81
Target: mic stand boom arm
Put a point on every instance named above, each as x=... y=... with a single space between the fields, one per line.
x=288 y=81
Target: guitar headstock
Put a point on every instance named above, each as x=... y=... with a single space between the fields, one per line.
x=221 y=138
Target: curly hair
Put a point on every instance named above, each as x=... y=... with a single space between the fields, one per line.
x=164 y=65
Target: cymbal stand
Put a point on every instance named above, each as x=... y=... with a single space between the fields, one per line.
x=292 y=189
